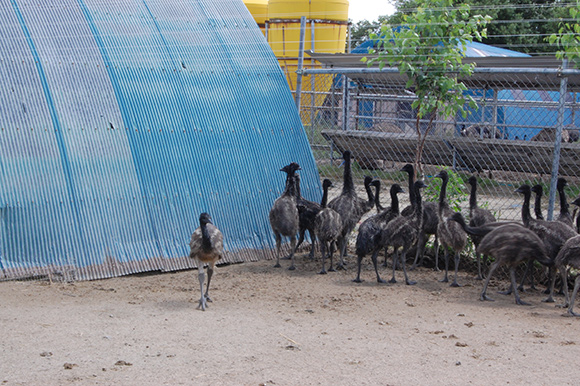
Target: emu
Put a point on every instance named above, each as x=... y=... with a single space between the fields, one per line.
x=569 y=256
x=477 y=216
x=510 y=245
x=307 y=211
x=450 y=234
x=327 y=225
x=284 y=214
x=369 y=239
x=403 y=232
x=350 y=207
x=553 y=233
x=206 y=247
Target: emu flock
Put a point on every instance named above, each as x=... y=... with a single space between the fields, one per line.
x=554 y=244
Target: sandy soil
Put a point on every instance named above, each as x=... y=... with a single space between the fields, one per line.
x=271 y=326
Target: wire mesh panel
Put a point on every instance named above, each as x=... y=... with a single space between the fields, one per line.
x=507 y=140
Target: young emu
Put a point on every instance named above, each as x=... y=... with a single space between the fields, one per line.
x=569 y=256
x=206 y=247
x=449 y=232
x=369 y=238
x=284 y=214
x=327 y=226
x=477 y=216
x=403 y=232
x=307 y=211
x=510 y=245
x=350 y=206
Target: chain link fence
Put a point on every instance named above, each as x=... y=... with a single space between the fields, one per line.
x=508 y=140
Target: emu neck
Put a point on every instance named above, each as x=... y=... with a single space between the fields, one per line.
x=418 y=213
x=411 y=188
x=377 y=199
x=290 y=185
x=538 y=207
x=394 y=202
x=324 y=200
x=205 y=238
x=473 y=197
x=563 y=204
x=443 y=194
x=370 y=195
x=348 y=184
x=526 y=217
x=297 y=188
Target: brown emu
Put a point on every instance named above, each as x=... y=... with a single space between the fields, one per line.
x=369 y=238
x=403 y=232
x=284 y=214
x=449 y=232
x=350 y=206
x=206 y=247
x=327 y=225
x=477 y=216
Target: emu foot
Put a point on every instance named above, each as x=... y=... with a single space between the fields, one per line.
x=565 y=305
x=549 y=299
x=202 y=304
x=522 y=303
x=277 y=265
x=571 y=313
x=341 y=267
x=331 y=269
x=323 y=272
x=410 y=282
x=393 y=281
x=291 y=268
x=455 y=285
x=508 y=292
x=357 y=280
x=444 y=280
x=379 y=280
x=484 y=297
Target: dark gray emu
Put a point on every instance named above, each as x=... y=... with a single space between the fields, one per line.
x=569 y=256
x=402 y=233
x=369 y=238
x=206 y=247
x=284 y=214
x=327 y=226
x=430 y=221
x=553 y=233
x=509 y=243
x=307 y=211
x=350 y=206
x=477 y=217
x=449 y=232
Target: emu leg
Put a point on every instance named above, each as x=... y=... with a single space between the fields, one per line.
x=278 y=246
x=436 y=246
x=342 y=246
x=446 y=277
x=550 y=298
x=395 y=258
x=332 y=248
x=483 y=295
x=421 y=241
x=515 y=287
x=358 y=267
x=313 y=245
x=478 y=256
x=403 y=258
x=323 y=251
x=455 y=284
x=574 y=293
x=201 y=275
x=564 y=276
x=375 y=263
x=293 y=247
x=209 y=275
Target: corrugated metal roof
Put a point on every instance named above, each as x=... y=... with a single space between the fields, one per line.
x=121 y=121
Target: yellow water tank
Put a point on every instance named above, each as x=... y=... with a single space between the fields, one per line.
x=259 y=10
x=329 y=18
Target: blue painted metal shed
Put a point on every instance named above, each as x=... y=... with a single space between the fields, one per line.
x=122 y=121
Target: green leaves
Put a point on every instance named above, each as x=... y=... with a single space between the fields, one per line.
x=568 y=38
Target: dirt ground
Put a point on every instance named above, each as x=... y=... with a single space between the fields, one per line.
x=269 y=326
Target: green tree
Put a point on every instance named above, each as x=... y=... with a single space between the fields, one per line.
x=567 y=39
x=520 y=25
x=428 y=49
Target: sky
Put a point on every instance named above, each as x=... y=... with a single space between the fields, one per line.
x=369 y=9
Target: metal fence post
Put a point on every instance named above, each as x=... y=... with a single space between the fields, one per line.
x=345 y=102
x=300 y=62
x=558 y=142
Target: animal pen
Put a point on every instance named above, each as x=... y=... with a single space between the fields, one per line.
x=525 y=129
